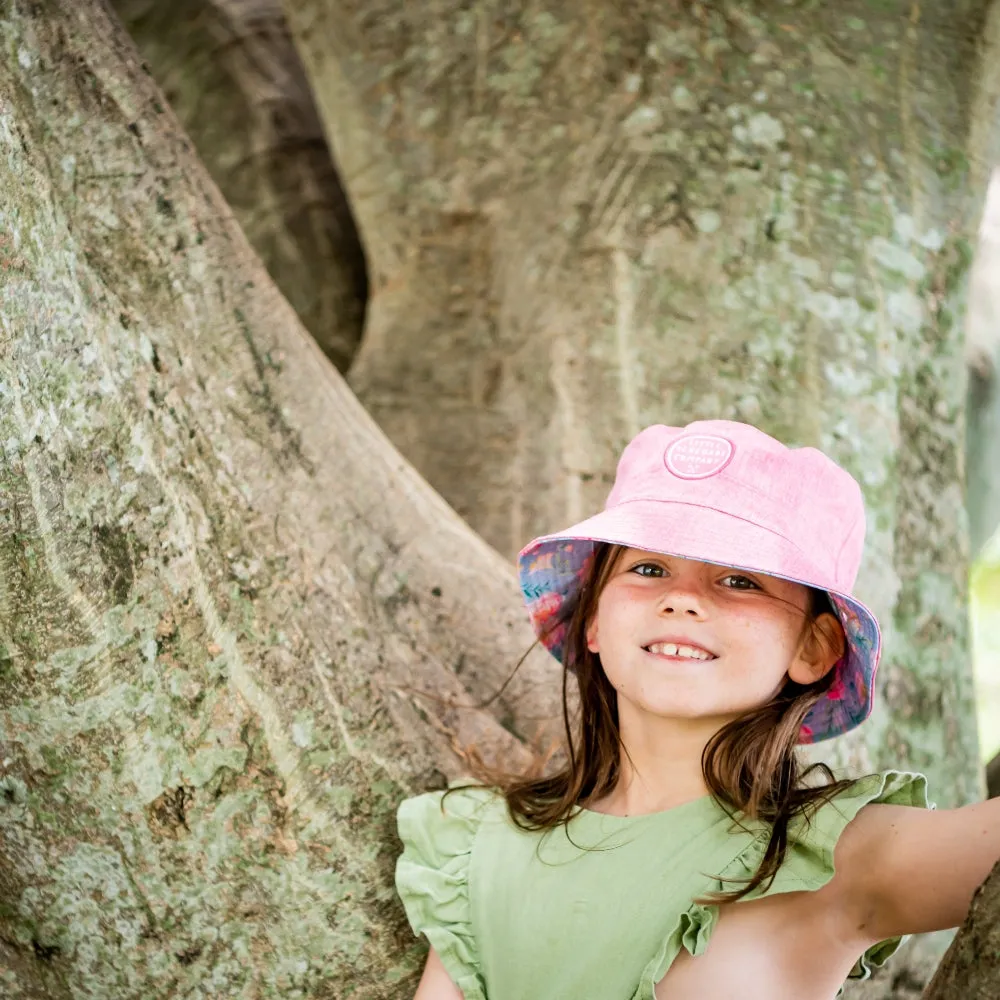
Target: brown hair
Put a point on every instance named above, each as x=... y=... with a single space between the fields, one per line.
x=750 y=765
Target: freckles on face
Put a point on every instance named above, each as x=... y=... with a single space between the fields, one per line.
x=683 y=638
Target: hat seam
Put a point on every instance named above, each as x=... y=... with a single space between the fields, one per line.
x=860 y=519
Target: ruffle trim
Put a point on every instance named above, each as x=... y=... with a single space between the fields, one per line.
x=808 y=866
x=432 y=878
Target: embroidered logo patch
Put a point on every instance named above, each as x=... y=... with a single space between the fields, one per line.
x=698 y=456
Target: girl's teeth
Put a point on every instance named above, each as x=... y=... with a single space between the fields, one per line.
x=669 y=649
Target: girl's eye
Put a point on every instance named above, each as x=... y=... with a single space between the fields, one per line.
x=736 y=581
x=647 y=569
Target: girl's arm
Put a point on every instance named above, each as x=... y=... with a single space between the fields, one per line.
x=435 y=983
x=909 y=870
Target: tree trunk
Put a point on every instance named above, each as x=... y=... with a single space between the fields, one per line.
x=993 y=778
x=583 y=217
x=235 y=625
x=971 y=968
x=230 y=72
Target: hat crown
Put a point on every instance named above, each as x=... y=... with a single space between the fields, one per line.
x=797 y=493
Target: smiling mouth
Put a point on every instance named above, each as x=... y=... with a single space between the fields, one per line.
x=678 y=651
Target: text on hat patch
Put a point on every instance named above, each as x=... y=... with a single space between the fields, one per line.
x=698 y=456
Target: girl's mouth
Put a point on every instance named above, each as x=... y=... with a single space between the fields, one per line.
x=678 y=651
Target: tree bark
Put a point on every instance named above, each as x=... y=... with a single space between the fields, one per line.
x=235 y=626
x=230 y=72
x=993 y=777
x=971 y=968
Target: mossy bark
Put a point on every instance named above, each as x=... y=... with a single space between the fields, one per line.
x=234 y=623
x=233 y=77
x=582 y=218
x=971 y=968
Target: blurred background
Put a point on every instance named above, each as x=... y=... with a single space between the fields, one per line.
x=986 y=645
x=983 y=331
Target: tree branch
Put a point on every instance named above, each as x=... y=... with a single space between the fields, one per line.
x=971 y=967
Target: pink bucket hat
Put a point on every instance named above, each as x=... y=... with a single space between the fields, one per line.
x=725 y=492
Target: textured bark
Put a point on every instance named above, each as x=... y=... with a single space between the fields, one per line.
x=232 y=75
x=971 y=968
x=232 y=618
x=582 y=217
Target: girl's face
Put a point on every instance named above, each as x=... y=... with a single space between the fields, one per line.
x=692 y=640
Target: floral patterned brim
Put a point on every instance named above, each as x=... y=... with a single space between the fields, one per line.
x=551 y=570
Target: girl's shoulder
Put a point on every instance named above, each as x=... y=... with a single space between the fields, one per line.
x=817 y=840
x=438 y=831
x=813 y=839
x=892 y=787
x=455 y=811
x=823 y=826
x=813 y=843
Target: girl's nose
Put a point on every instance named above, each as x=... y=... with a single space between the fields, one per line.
x=682 y=600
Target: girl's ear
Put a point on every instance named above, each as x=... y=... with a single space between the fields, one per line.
x=592 y=635
x=822 y=645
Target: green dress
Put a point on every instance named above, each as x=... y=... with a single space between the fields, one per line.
x=516 y=915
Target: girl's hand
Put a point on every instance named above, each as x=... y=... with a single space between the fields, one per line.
x=907 y=870
x=435 y=983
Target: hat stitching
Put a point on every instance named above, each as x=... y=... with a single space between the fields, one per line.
x=860 y=519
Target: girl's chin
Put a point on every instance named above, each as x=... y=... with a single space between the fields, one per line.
x=677 y=710
x=678 y=706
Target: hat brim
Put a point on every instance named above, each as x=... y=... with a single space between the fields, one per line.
x=551 y=569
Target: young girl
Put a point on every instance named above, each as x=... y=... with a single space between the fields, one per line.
x=707 y=618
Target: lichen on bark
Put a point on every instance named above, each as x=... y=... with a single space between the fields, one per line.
x=221 y=668
x=971 y=967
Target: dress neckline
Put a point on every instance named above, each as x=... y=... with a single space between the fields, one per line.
x=695 y=806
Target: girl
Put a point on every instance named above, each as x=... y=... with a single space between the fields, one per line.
x=680 y=852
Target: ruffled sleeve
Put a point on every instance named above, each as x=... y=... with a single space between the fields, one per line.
x=808 y=865
x=810 y=858
x=432 y=877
